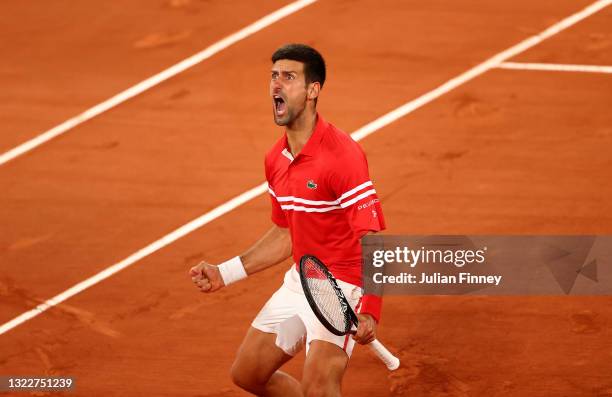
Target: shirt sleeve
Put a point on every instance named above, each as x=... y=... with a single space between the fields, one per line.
x=356 y=194
x=278 y=215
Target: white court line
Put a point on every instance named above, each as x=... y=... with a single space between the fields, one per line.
x=477 y=70
x=154 y=80
x=262 y=188
x=135 y=257
x=555 y=67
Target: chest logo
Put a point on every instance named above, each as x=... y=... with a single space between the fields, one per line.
x=311 y=184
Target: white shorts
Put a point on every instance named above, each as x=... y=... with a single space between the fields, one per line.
x=288 y=315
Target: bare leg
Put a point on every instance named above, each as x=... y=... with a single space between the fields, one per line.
x=256 y=367
x=323 y=370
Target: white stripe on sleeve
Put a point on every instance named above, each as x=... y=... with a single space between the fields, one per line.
x=357 y=198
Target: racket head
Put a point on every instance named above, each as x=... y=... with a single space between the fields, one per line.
x=325 y=297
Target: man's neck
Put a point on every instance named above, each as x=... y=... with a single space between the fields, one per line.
x=300 y=131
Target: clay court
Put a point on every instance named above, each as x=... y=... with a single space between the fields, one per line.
x=496 y=151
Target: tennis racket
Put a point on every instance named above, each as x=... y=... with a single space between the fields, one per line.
x=332 y=308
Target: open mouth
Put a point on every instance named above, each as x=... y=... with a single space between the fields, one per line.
x=280 y=107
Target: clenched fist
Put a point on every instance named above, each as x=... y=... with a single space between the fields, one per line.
x=206 y=277
x=366 y=330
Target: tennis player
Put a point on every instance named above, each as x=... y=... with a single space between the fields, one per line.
x=323 y=202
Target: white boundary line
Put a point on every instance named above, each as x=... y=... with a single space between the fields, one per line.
x=154 y=80
x=555 y=67
x=361 y=133
x=477 y=70
x=135 y=257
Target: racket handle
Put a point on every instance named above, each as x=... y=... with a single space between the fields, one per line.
x=385 y=355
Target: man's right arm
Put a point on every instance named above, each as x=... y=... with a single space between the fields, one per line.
x=274 y=247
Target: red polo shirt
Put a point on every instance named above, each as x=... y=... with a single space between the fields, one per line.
x=326 y=199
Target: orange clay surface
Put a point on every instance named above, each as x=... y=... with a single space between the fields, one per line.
x=511 y=152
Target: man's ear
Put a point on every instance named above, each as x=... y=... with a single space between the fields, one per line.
x=313 y=90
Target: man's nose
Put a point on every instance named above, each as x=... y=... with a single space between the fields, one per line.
x=276 y=86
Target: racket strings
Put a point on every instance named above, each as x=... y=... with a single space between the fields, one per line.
x=323 y=292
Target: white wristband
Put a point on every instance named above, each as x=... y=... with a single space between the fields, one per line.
x=232 y=271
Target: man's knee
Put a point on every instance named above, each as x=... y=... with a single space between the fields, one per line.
x=257 y=359
x=319 y=387
x=246 y=376
x=324 y=369
x=321 y=384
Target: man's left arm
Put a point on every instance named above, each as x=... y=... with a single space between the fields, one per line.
x=368 y=316
x=364 y=214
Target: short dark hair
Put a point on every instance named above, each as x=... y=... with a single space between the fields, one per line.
x=314 y=65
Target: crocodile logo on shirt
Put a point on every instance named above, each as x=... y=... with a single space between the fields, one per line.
x=311 y=184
